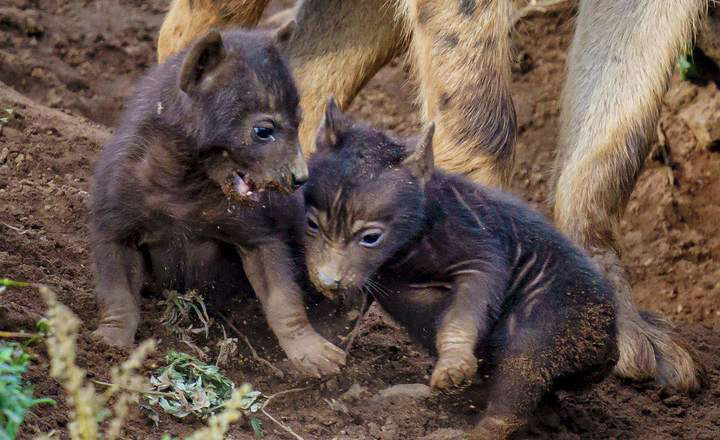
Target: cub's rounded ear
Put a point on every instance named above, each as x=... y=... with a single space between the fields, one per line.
x=331 y=127
x=284 y=33
x=202 y=60
x=421 y=162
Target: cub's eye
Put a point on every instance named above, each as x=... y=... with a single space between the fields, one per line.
x=264 y=133
x=312 y=226
x=372 y=238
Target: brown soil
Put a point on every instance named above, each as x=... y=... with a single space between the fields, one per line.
x=66 y=66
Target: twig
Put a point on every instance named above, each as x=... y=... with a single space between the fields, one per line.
x=16 y=229
x=278 y=422
x=12 y=283
x=356 y=328
x=20 y=335
x=133 y=390
x=534 y=6
x=255 y=356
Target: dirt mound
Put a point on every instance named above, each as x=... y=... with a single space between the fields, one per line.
x=66 y=63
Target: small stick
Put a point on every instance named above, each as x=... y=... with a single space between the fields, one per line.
x=356 y=328
x=255 y=356
x=278 y=422
x=133 y=390
x=4 y=334
x=16 y=229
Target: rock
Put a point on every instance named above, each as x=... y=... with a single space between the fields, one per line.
x=703 y=118
x=410 y=390
x=355 y=392
x=4 y=154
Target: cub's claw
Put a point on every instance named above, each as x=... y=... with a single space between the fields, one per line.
x=453 y=369
x=314 y=356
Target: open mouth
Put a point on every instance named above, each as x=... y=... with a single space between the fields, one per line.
x=240 y=187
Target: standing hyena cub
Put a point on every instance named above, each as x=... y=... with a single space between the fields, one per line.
x=468 y=270
x=188 y=193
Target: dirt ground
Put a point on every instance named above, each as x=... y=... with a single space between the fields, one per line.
x=65 y=68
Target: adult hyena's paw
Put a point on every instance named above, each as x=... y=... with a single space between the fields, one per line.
x=115 y=335
x=453 y=369
x=314 y=356
x=651 y=349
x=648 y=346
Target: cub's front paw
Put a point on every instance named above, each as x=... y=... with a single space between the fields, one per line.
x=115 y=335
x=314 y=356
x=453 y=369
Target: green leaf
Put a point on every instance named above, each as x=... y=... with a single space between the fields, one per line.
x=688 y=68
x=43 y=326
x=195 y=387
x=15 y=396
x=256 y=426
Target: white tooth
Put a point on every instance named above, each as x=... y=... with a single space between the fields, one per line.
x=240 y=185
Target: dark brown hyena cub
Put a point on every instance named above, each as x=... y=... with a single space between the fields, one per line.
x=471 y=272
x=188 y=193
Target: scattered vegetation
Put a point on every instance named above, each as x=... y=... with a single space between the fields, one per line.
x=15 y=396
x=188 y=386
x=687 y=67
x=178 y=311
x=6 y=113
x=185 y=386
x=90 y=417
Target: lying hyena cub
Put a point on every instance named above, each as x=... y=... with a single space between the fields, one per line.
x=467 y=270
x=188 y=192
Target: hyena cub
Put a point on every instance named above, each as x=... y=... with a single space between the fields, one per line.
x=471 y=272
x=189 y=192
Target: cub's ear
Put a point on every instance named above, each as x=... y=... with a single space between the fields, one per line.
x=201 y=62
x=420 y=162
x=331 y=127
x=284 y=33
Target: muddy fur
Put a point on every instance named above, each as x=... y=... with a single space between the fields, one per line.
x=471 y=272
x=161 y=217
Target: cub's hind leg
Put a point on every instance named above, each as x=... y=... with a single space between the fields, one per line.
x=538 y=348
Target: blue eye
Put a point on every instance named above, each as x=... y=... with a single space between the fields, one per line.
x=312 y=225
x=264 y=134
x=372 y=238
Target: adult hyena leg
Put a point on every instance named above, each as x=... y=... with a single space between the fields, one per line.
x=337 y=46
x=462 y=56
x=189 y=19
x=610 y=108
x=119 y=275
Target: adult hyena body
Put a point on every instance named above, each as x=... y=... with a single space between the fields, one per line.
x=460 y=50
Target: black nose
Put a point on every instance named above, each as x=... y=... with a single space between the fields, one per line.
x=298 y=181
